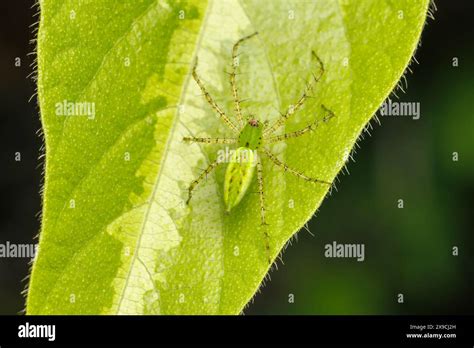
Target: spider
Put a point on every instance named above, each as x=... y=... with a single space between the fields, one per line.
x=251 y=136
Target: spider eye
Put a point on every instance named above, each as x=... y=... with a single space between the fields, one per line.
x=253 y=122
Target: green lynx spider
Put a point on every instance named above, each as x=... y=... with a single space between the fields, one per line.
x=251 y=136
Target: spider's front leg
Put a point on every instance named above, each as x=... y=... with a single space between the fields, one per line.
x=293 y=108
x=211 y=101
x=235 y=64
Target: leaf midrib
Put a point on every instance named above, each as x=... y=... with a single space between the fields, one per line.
x=162 y=162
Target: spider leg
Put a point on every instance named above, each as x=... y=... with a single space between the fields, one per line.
x=298 y=133
x=282 y=165
x=211 y=101
x=262 y=208
x=293 y=108
x=235 y=64
x=193 y=185
x=210 y=140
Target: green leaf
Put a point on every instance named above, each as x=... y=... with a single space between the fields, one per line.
x=116 y=235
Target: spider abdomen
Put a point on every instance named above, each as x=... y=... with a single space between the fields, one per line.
x=238 y=176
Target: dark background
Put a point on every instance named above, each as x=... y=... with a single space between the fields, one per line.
x=407 y=250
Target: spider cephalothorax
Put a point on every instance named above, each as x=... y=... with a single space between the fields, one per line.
x=251 y=135
x=251 y=138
